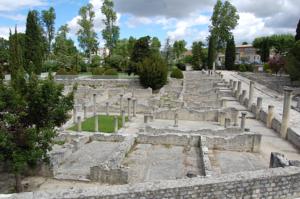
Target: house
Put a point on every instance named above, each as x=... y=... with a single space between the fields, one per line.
x=247 y=54
x=102 y=52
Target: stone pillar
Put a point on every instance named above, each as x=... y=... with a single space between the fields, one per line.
x=107 y=108
x=258 y=107
x=129 y=116
x=235 y=117
x=214 y=66
x=116 y=124
x=227 y=123
x=222 y=115
x=239 y=89
x=176 y=119
x=121 y=103
x=286 y=111
x=243 y=96
x=251 y=92
x=84 y=106
x=79 y=124
x=94 y=103
x=75 y=114
x=230 y=84
x=223 y=103
x=96 y=123
x=234 y=86
x=243 y=121
x=270 y=116
x=146 y=119
x=123 y=118
x=134 y=107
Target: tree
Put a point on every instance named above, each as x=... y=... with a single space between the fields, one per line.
x=111 y=31
x=297 y=37
x=179 y=47
x=34 y=44
x=245 y=43
x=87 y=37
x=168 y=52
x=153 y=72
x=48 y=17
x=141 y=50
x=130 y=45
x=197 y=54
x=230 y=54
x=211 y=51
x=293 y=62
x=282 y=43
x=155 y=45
x=15 y=55
x=276 y=63
x=29 y=113
x=4 y=52
x=263 y=45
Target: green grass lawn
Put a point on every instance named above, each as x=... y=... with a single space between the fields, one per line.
x=106 y=124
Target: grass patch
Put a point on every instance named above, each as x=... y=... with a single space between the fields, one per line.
x=106 y=124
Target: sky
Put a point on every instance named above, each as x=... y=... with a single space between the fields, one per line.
x=176 y=19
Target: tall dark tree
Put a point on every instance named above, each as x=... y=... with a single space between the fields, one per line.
x=34 y=44
x=179 y=47
x=197 y=55
x=168 y=52
x=263 y=45
x=297 y=37
x=15 y=55
x=48 y=17
x=230 y=54
x=4 y=54
x=211 y=51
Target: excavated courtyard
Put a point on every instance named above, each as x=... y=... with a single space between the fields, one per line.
x=206 y=130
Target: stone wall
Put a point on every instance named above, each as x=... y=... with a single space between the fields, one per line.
x=271 y=183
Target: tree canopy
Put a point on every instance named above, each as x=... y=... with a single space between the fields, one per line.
x=230 y=54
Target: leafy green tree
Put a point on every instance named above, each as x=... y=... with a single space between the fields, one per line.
x=263 y=45
x=29 y=113
x=34 y=43
x=197 y=55
x=87 y=36
x=293 y=62
x=141 y=50
x=4 y=52
x=15 y=54
x=179 y=47
x=245 y=43
x=130 y=45
x=282 y=43
x=153 y=72
x=111 y=31
x=297 y=37
x=211 y=51
x=155 y=45
x=230 y=54
x=48 y=17
x=122 y=48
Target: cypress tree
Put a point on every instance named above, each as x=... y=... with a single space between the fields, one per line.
x=15 y=53
x=211 y=51
x=34 y=45
x=297 y=37
x=230 y=54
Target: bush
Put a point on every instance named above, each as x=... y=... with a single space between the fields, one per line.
x=63 y=71
x=96 y=61
x=177 y=73
x=293 y=62
x=117 y=62
x=50 y=65
x=266 y=67
x=111 y=72
x=244 y=67
x=153 y=72
x=181 y=66
x=98 y=71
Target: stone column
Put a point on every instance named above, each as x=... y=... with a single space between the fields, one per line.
x=286 y=111
x=227 y=122
x=84 y=106
x=243 y=96
x=239 y=89
x=79 y=124
x=251 y=92
x=258 y=107
x=146 y=119
x=121 y=103
x=129 y=116
x=235 y=117
x=123 y=118
x=230 y=84
x=116 y=124
x=96 y=123
x=75 y=114
x=176 y=119
x=270 y=116
x=234 y=86
x=107 y=108
x=243 y=121
x=94 y=103
x=223 y=103
x=134 y=107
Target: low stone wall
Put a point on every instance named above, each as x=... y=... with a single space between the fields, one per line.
x=112 y=171
x=248 y=142
x=271 y=183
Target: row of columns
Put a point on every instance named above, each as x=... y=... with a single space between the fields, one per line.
x=236 y=87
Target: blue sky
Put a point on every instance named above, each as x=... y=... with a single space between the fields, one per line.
x=176 y=19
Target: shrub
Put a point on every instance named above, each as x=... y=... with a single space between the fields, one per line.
x=276 y=63
x=242 y=68
x=50 y=65
x=266 y=67
x=98 y=71
x=181 y=66
x=293 y=62
x=177 y=73
x=96 y=61
x=63 y=71
x=111 y=72
x=153 y=72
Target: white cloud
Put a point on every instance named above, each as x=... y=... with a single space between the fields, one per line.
x=4 y=30
x=9 y=5
x=15 y=17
